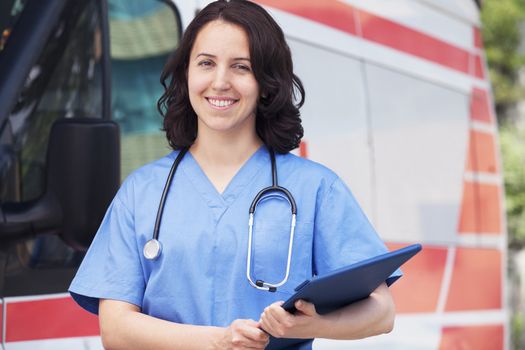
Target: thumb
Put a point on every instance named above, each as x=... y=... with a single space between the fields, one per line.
x=305 y=307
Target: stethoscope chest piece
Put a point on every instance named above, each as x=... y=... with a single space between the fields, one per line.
x=152 y=249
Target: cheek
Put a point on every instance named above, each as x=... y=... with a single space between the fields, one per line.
x=250 y=90
x=197 y=83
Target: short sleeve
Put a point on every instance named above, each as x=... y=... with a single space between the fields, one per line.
x=111 y=268
x=342 y=233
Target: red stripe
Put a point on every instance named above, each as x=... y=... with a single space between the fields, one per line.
x=303 y=149
x=383 y=31
x=1 y=322
x=480 y=209
x=488 y=337
x=402 y=38
x=480 y=108
x=332 y=13
x=479 y=67
x=476 y=282
x=482 y=153
x=47 y=319
x=423 y=272
x=478 y=42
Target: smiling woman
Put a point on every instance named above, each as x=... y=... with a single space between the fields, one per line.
x=231 y=115
x=222 y=88
x=278 y=123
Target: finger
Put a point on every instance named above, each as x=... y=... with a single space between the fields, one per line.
x=269 y=323
x=282 y=316
x=305 y=307
x=251 y=330
x=242 y=342
x=256 y=334
x=256 y=344
x=281 y=322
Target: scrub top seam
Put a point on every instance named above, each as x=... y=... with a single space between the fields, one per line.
x=241 y=188
x=214 y=286
x=136 y=235
x=325 y=197
x=246 y=186
x=240 y=193
x=259 y=153
x=212 y=201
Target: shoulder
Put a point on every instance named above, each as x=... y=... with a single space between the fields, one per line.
x=296 y=166
x=152 y=170
x=146 y=179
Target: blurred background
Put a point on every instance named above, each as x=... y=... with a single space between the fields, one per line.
x=411 y=102
x=504 y=38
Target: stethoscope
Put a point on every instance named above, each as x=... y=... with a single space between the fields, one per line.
x=153 y=248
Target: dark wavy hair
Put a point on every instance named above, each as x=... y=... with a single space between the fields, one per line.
x=278 y=121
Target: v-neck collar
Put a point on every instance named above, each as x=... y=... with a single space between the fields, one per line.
x=244 y=176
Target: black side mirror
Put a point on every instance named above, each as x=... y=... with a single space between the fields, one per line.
x=83 y=175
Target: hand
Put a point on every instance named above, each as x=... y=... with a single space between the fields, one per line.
x=305 y=323
x=243 y=334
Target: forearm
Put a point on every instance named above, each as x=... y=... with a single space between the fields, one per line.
x=371 y=316
x=127 y=328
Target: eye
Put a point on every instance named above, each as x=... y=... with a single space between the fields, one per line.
x=242 y=67
x=205 y=63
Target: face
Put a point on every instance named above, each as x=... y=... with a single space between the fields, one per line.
x=222 y=88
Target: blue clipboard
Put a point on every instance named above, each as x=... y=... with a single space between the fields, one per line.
x=345 y=286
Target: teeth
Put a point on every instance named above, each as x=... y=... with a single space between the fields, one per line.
x=221 y=103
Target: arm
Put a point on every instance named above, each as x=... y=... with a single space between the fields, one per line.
x=123 y=326
x=368 y=317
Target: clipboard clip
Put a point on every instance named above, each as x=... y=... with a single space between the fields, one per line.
x=298 y=288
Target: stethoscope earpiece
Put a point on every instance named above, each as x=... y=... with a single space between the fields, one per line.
x=262 y=285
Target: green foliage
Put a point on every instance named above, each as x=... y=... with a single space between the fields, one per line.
x=516 y=329
x=501 y=37
x=512 y=140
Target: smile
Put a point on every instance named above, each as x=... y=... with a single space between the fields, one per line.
x=221 y=103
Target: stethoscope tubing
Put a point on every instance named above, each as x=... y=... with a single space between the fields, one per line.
x=153 y=248
x=260 y=284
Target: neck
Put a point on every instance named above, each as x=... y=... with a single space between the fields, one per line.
x=224 y=150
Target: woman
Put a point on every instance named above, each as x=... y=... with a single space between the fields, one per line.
x=229 y=103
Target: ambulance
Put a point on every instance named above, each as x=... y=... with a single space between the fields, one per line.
x=398 y=103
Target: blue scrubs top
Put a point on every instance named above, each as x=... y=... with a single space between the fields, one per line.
x=200 y=277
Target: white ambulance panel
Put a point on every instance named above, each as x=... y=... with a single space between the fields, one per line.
x=420 y=133
x=335 y=96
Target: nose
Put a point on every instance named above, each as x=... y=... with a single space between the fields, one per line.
x=221 y=79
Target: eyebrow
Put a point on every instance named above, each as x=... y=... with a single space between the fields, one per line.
x=213 y=56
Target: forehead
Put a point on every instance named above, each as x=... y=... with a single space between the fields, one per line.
x=221 y=38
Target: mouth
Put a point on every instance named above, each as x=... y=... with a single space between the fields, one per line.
x=221 y=102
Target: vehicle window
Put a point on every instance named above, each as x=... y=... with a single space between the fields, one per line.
x=143 y=33
x=10 y=11
x=64 y=82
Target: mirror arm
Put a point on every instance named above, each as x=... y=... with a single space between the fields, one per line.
x=20 y=220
